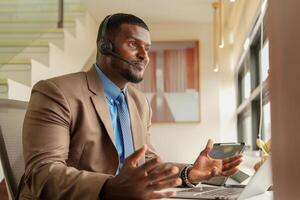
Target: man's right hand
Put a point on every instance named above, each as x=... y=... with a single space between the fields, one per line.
x=143 y=182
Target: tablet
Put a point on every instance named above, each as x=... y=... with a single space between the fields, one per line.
x=221 y=151
x=225 y=150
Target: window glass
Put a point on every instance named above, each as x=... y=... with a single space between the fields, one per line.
x=265 y=61
x=247 y=131
x=246 y=86
x=266 y=122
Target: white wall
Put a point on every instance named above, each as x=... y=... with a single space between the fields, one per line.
x=181 y=142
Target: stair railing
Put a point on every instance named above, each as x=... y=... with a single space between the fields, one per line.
x=60 y=23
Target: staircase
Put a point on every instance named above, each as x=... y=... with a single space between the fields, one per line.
x=33 y=48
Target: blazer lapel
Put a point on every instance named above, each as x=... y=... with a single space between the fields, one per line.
x=99 y=102
x=136 y=123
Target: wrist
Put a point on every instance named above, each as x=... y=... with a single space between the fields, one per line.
x=185 y=177
x=191 y=177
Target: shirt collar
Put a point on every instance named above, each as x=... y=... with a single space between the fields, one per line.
x=111 y=90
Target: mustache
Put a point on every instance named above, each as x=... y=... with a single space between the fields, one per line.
x=138 y=62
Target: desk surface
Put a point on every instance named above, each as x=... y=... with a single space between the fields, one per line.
x=266 y=196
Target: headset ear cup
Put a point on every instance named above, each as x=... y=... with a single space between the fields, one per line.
x=105 y=47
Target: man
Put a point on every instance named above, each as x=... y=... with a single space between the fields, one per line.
x=86 y=135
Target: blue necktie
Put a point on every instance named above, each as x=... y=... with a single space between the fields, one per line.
x=124 y=120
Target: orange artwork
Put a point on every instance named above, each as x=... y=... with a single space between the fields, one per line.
x=171 y=81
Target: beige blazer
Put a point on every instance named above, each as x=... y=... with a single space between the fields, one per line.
x=68 y=139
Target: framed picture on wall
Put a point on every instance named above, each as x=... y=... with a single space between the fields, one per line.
x=171 y=81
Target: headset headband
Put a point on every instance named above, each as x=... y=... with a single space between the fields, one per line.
x=105 y=24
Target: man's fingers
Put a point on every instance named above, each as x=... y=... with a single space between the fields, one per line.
x=208 y=147
x=173 y=182
x=230 y=172
x=160 y=195
x=133 y=159
x=205 y=151
x=151 y=164
x=232 y=158
x=232 y=164
x=163 y=174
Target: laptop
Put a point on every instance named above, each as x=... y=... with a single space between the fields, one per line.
x=258 y=184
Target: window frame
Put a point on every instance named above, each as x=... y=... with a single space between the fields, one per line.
x=250 y=60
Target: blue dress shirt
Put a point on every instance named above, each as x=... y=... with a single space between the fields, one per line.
x=112 y=92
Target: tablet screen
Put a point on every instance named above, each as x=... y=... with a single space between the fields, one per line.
x=224 y=150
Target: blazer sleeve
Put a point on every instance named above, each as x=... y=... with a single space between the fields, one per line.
x=46 y=140
x=151 y=152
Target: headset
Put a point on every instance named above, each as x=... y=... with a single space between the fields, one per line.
x=105 y=46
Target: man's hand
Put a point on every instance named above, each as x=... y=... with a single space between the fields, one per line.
x=206 y=167
x=143 y=182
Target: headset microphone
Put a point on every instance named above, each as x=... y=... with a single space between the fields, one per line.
x=120 y=58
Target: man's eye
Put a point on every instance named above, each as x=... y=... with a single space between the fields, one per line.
x=132 y=45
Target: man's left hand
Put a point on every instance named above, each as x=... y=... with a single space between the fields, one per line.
x=206 y=167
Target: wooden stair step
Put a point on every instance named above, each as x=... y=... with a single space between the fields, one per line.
x=14 y=60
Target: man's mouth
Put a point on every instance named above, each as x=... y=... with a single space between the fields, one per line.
x=139 y=65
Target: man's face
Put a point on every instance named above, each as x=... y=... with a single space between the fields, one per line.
x=132 y=42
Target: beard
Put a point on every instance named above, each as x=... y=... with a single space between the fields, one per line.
x=128 y=72
x=130 y=76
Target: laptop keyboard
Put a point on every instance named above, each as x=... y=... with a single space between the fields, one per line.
x=212 y=192
x=198 y=189
x=223 y=193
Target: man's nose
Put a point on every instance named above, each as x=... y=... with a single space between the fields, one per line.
x=142 y=54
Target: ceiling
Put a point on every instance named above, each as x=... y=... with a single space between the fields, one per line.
x=155 y=11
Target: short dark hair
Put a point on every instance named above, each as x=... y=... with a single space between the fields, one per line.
x=115 y=22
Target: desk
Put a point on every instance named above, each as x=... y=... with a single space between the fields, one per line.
x=266 y=196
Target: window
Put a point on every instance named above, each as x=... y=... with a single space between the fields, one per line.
x=253 y=95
